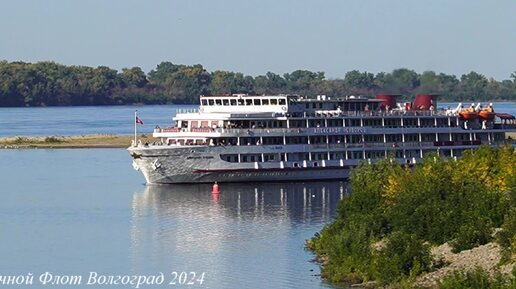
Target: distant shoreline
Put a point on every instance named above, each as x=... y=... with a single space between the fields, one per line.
x=78 y=141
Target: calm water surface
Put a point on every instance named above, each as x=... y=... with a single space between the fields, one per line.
x=69 y=211
x=78 y=120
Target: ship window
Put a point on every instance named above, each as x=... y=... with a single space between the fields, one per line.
x=412 y=137
x=427 y=137
x=427 y=122
x=211 y=102
x=270 y=157
x=249 y=102
x=204 y=102
x=320 y=105
x=225 y=102
x=256 y=101
x=230 y=158
x=274 y=101
x=218 y=102
x=265 y=101
x=355 y=122
x=282 y=101
x=240 y=102
x=314 y=105
x=307 y=105
x=232 y=102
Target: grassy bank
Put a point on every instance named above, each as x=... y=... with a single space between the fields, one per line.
x=82 y=141
x=406 y=228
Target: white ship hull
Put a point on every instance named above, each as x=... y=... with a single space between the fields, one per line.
x=177 y=165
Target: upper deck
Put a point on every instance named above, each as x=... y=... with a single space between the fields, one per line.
x=274 y=106
x=289 y=111
x=242 y=103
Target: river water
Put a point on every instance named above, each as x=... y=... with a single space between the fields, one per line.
x=71 y=212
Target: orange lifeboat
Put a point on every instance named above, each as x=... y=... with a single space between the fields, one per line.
x=487 y=114
x=468 y=114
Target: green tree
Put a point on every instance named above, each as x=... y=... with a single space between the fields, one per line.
x=134 y=77
x=270 y=83
x=305 y=82
x=226 y=82
x=473 y=86
x=162 y=72
x=357 y=82
x=401 y=80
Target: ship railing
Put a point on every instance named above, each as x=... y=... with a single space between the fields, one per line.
x=167 y=129
x=178 y=129
x=187 y=110
x=251 y=131
x=365 y=145
x=390 y=113
x=258 y=115
x=262 y=131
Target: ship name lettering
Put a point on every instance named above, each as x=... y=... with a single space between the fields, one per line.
x=329 y=130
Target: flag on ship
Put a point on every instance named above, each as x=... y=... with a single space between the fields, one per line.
x=138 y=120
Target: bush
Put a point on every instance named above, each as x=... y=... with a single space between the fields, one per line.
x=404 y=255
x=470 y=236
x=20 y=140
x=478 y=279
x=53 y=139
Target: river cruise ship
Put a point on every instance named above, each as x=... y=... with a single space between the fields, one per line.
x=240 y=138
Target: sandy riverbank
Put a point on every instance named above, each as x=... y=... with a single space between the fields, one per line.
x=81 y=141
x=486 y=256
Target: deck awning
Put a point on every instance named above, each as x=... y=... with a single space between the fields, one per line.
x=505 y=116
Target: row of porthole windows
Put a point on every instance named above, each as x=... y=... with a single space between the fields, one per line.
x=242 y=101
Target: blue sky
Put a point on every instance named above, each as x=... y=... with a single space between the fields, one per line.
x=253 y=37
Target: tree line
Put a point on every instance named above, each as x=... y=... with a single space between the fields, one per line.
x=51 y=84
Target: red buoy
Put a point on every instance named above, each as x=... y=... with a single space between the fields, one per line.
x=215 y=198
x=215 y=189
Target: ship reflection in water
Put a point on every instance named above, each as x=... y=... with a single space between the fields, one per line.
x=249 y=235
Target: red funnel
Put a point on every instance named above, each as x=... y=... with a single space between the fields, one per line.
x=425 y=102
